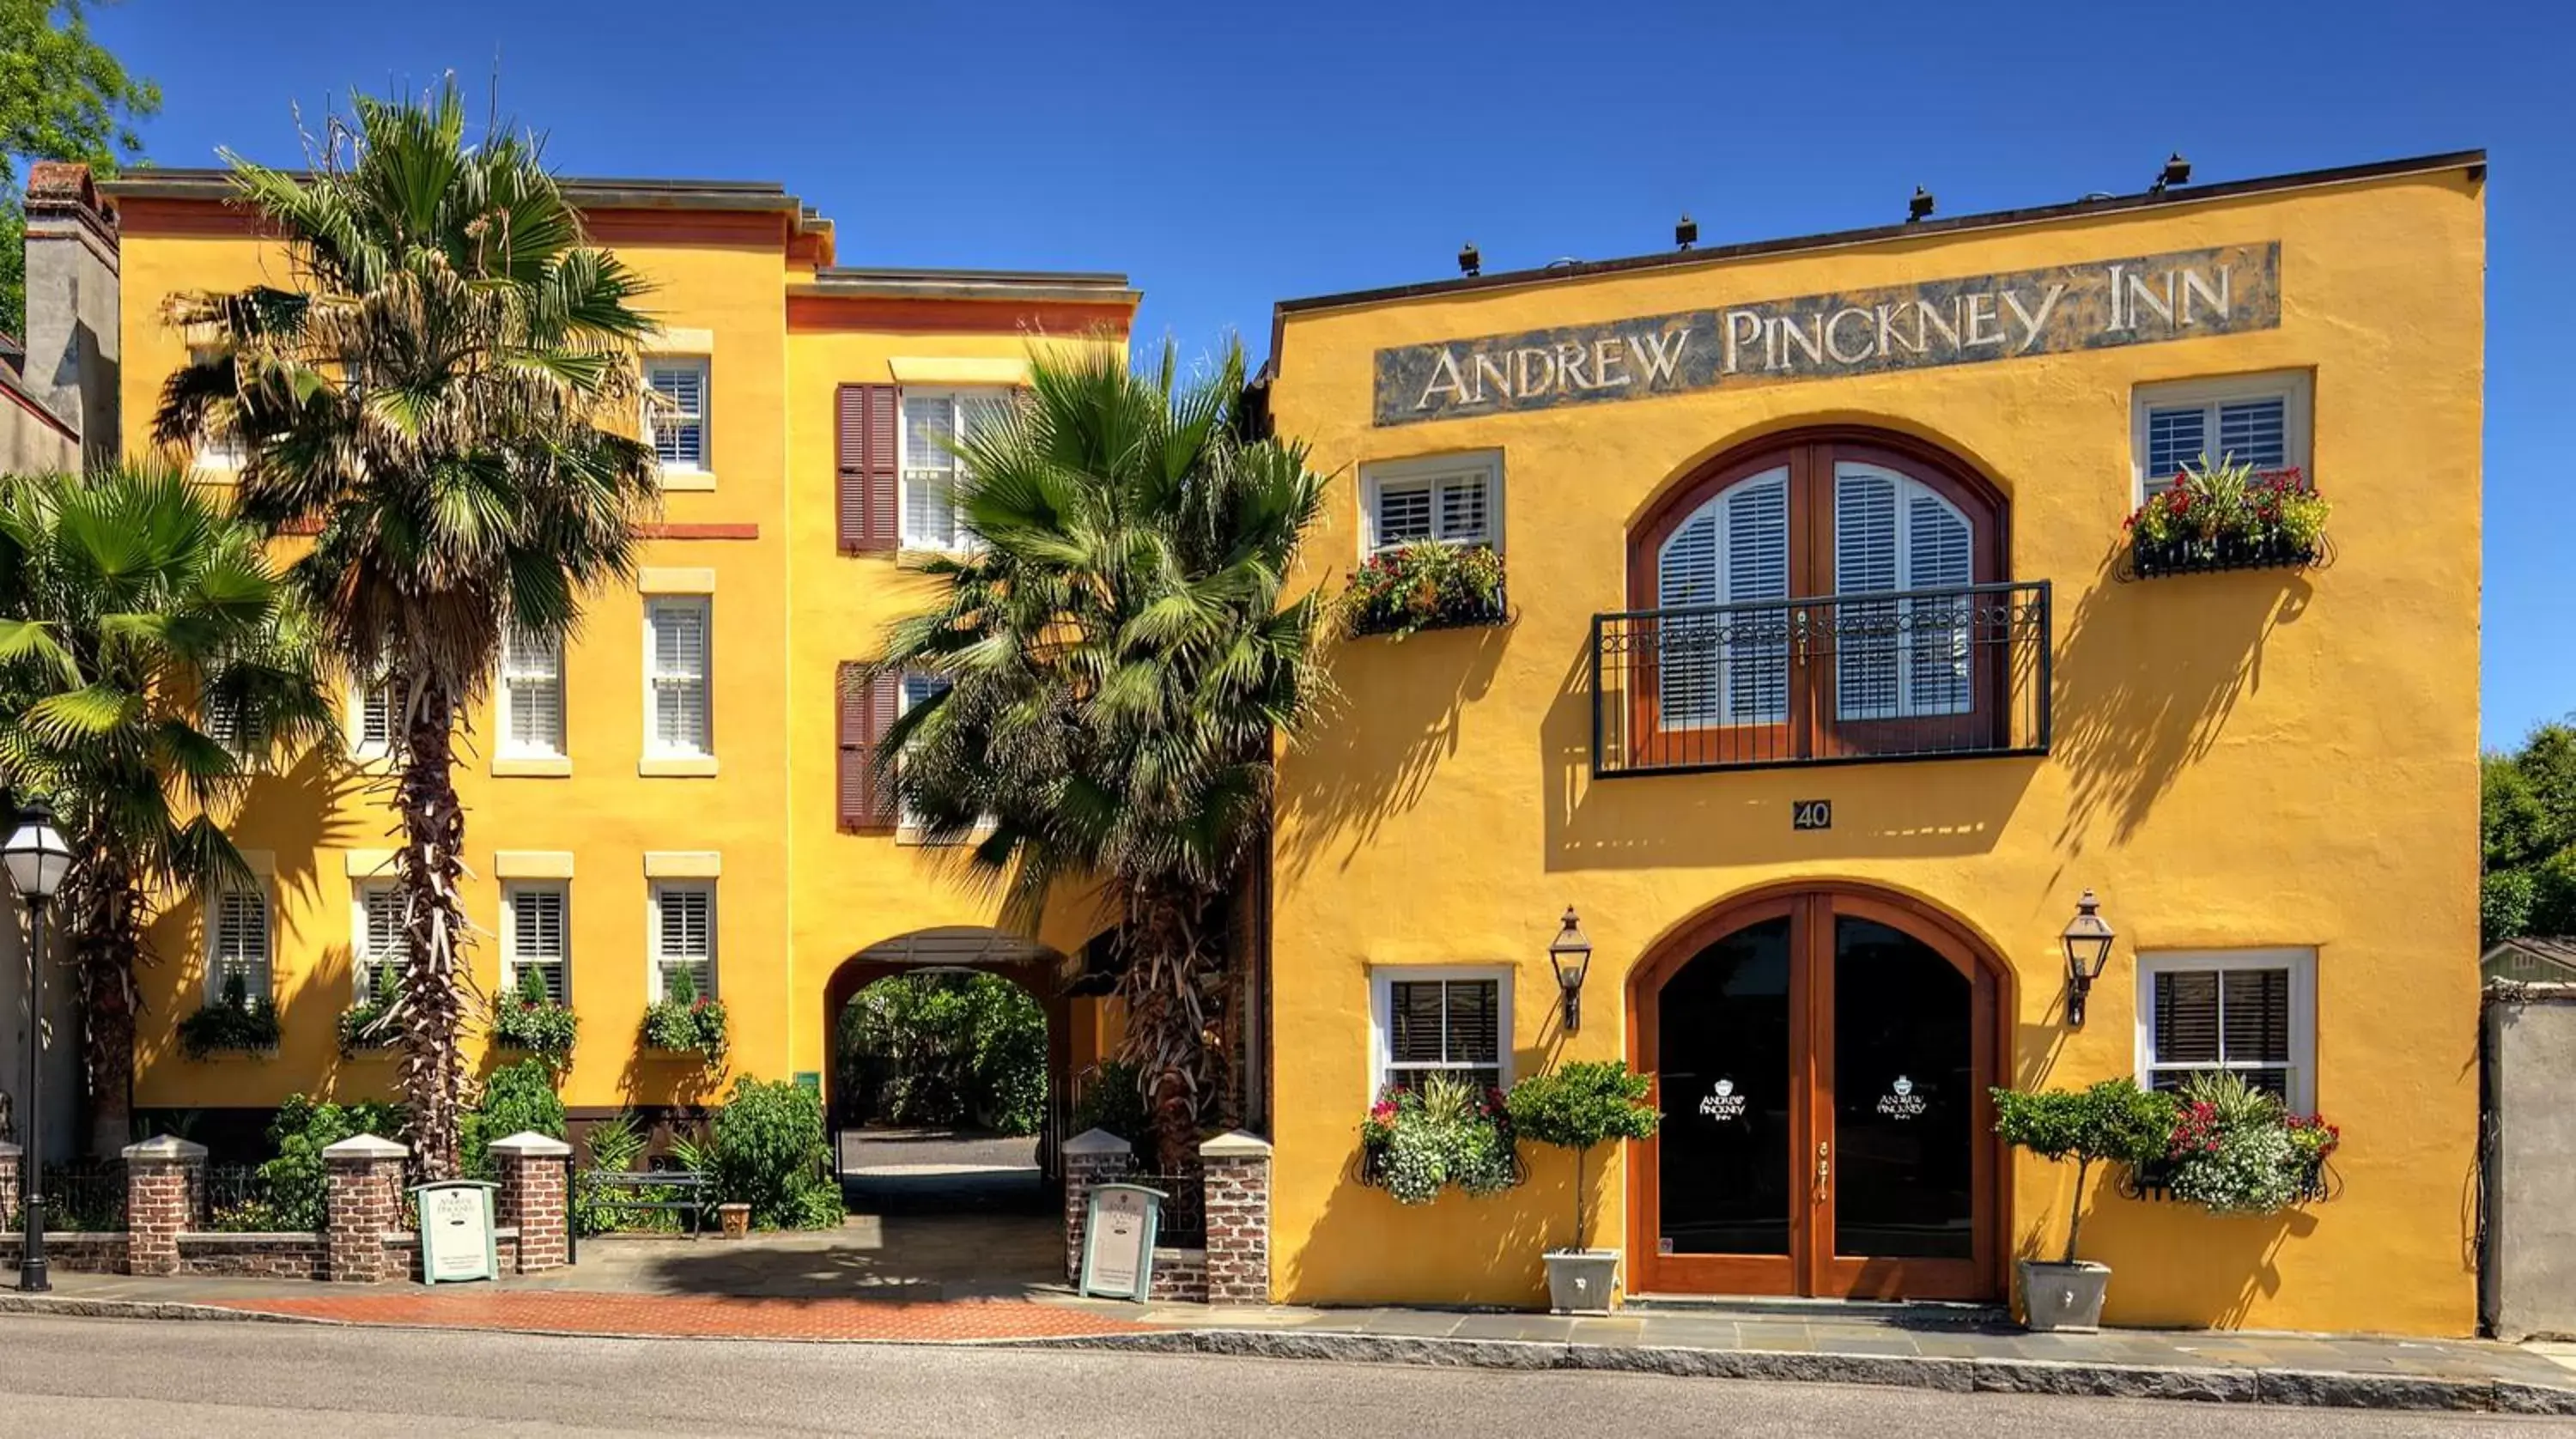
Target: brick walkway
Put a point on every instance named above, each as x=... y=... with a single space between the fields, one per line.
x=661 y=1315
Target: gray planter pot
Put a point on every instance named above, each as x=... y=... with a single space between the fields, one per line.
x=2063 y=1296
x=1580 y=1281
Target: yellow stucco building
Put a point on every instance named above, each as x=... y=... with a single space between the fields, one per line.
x=1827 y=685
x=678 y=784
x=1825 y=848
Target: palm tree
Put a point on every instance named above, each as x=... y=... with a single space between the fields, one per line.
x=438 y=396
x=1120 y=662
x=138 y=622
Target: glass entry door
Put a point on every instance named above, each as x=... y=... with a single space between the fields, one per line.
x=1822 y=1063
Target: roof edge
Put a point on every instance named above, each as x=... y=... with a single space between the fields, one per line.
x=2474 y=160
x=877 y=282
x=591 y=193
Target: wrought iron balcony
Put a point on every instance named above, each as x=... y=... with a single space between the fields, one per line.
x=1841 y=679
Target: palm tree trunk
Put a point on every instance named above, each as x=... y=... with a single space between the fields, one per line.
x=432 y=1005
x=104 y=924
x=1167 y=981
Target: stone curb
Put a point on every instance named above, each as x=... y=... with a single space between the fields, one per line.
x=2282 y=1387
x=74 y=1308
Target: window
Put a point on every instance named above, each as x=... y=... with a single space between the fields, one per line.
x=531 y=695
x=536 y=937
x=2261 y=420
x=2250 y=1011
x=675 y=672
x=237 y=943
x=376 y=940
x=933 y=422
x=678 y=422
x=225 y=453
x=684 y=934
x=917 y=690
x=1443 y=1021
x=1448 y=499
x=371 y=724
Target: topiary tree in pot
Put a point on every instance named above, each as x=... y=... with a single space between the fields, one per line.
x=1580 y=1106
x=2114 y=1122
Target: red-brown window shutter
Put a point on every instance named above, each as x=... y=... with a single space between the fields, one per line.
x=866 y=713
x=865 y=448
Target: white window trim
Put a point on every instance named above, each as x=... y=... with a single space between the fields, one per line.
x=2295 y=389
x=214 y=985
x=1432 y=467
x=355 y=723
x=510 y=892
x=653 y=954
x=1382 y=982
x=219 y=460
x=361 y=959
x=704 y=465
x=2302 y=965
x=504 y=744
x=654 y=748
x=957 y=395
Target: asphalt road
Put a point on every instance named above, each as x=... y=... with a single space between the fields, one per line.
x=62 y=1378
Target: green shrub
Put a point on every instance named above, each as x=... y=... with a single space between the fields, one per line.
x=1113 y=1101
x=233 y=1022
x=1579 y=1106
x=2114 y=1122
x=768 y=1151
x=518 y=1098
x=297 y=1182
x=617 y=1146
x=946 y=1049
x=532 y=1024
x=363 y=1025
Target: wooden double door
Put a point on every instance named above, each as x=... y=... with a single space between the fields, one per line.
x=1822 y=1060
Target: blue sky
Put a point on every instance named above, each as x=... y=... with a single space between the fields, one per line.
x=1229 y=155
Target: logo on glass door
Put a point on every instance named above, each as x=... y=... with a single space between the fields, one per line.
x=1722 y=1103
x=1901 y=1102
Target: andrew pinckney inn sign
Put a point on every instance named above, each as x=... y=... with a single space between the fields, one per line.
x=2092 y=306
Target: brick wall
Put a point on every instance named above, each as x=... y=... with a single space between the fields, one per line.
x=1237 y=1169
x=532 y=1201
x=1092 y=1158
x=365 y=1204
x=164 y=1181
x=70 y=1252
x=1180 y=1276
x=253 y=1256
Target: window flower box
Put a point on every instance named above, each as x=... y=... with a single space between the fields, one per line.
x=686 y=1024
x=1425 y=587
x=532 y=1024
x=233 y=1024
x=2235 y=1149
x=2228 y=516
x=1448 y=1133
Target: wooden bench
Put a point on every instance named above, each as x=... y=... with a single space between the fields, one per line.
x=696 y=1191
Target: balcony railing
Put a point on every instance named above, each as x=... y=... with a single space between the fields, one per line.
x=1842 y=679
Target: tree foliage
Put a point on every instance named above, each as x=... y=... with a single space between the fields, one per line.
x=63 y=96
x=2527 y=837
x=138 y=622
x=442 y=391
x=2114 y=1122
x=1121 y=658
x=946 y=1049
x=1580 y=1105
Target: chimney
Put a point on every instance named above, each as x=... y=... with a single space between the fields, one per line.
x=72 y=346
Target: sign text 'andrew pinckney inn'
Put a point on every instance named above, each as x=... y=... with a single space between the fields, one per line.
x=1902 y=327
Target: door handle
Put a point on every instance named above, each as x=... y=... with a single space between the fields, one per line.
x=1824 y=1164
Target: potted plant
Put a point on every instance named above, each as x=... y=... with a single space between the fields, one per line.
x=1581 y=1106
x=1417 y=1142
x=2114 y=1122
x=1424 y=587
x=364 y=1025
x=735 y=1217
x=234 y=1022
x=684 y=1021
x=2227 y=516
x=2236 y=1149
x=531 y=1023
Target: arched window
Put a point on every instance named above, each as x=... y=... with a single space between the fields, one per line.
x=1818 y=596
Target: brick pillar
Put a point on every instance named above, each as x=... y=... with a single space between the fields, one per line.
x=1237 y=1170
x=163 y=1176
x=1093 y=1157
x=532 y=1199
x=363 y=1205
x=9 y=1197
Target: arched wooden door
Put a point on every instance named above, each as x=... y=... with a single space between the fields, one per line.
x=1822 y=1058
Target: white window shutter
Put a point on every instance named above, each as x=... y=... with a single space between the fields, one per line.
x=537 y=937
x=1865 y=563
x=1404 y=515
x=684 y=936
x=2254 y=432
x=680 y=689
x=1939 y=554
x=1464 y=510
x=1755 y=569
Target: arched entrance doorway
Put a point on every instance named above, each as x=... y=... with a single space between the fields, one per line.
x=1822 y=1056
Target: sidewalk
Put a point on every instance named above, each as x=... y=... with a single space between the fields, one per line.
x=1917 y=1347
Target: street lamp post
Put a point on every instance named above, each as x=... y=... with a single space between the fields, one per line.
x=37 y=859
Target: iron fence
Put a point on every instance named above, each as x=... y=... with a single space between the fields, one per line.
x=1842 y=679
x=238 y=1200
x=89 y=1197
x=1184 y=1219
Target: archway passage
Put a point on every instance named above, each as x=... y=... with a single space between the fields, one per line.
x=1822 y=1057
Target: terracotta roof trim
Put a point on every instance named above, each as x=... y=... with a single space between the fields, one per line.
x=601 y=193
